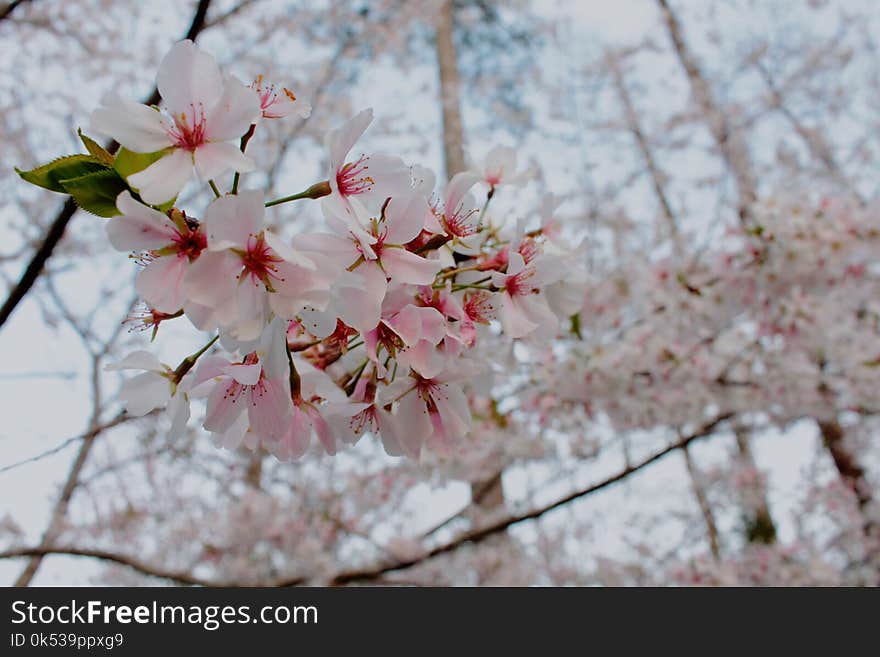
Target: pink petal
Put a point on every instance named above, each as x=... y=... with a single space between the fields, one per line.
x=322 y=429
x=410 y=424
x=270 y=408
x=362 y=308
x=225 y=404
x=513 y=317
x=161 y=283
x=231 y=220
x=406 y=267
x=211 y=279
x=457 y=188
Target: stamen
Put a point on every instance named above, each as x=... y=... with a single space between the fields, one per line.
x=352 y=178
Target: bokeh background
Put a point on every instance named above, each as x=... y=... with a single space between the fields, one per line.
x=711 y=419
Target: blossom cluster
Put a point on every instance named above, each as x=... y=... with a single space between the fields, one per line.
x=367 y=327
x=780 y=321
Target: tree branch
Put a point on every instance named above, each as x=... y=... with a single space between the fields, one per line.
x=482 y=534
x=10 y=7
x=141 y=567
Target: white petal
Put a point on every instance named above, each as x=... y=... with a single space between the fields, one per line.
x=162 y=181
x=137 y=127
x=246 y=375
x=514 y=318
x=216 y=158
x=320 y=323
x=273 y=349
x=340 y=140
x=188 y=79
x=138 y=360
x=231 y=220
x=362 y=308
x=457 y=188
x=233 y=113
x=178 y=411
x=406 y=267
x=287 y=252
x=139 y=228
x=145 y=392
x=405 y=218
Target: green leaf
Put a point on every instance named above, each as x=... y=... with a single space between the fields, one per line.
x=96 y=192
x=128 y=162
x=95 y=148
x=49 y=176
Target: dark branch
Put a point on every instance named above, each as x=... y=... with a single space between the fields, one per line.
x=130 y=562
x=11 y=7
x=483 y=533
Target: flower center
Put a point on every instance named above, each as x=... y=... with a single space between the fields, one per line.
x=458 y=222
x=352 y=178
x=259 y=262
x=518 y=285
x=190 y=243
x=189 y=130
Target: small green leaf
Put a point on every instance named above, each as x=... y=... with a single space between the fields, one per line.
x=49 y=176
x=96 y=192
x=95 y=148
x=128 y=162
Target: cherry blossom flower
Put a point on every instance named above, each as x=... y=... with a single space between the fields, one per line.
x=376 y=259
x=368 y=180
x=405 y=327
x=277 y=104
x=433 y=410
x=248 y=272
x=256 y=388
x=522 y=309
x=365 y=413
x=154 y=388
x=170 y=243
x=202 y=112
x=306 y=418
x=499 y=168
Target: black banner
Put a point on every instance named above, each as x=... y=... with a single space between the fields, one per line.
x=144 y=620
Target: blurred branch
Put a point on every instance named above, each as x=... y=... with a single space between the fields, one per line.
x=59 y=224
x=450 y=89
x=482 y=534
x=634 y=126
x=122 y=418
x=130 y=562
x=733 y=149
x=11 y=7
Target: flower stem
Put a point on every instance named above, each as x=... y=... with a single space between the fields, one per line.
x=489 y=196
x=187 y=363
x=355 y=377
x=295 y=382
x=243 y=146
x=315 y=191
